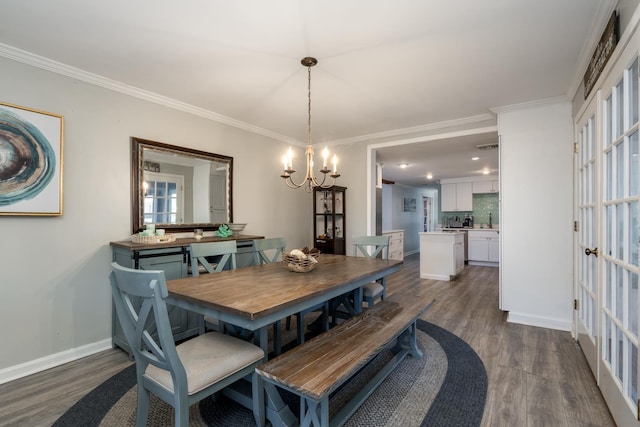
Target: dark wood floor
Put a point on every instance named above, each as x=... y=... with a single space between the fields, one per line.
x=537 y=377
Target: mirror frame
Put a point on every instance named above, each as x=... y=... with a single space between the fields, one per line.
x=137 y=171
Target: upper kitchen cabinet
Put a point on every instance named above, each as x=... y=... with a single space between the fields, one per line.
x=480 y=187
x=457 y=197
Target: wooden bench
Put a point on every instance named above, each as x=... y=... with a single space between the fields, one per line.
x=321 y=365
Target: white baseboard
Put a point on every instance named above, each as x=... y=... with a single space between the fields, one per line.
x=542 y=322
x=22 y=370
x=445 y=277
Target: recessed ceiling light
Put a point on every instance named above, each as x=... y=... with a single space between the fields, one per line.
x=429 y=176
x=404 y=165
x=475 y=158
x=485 y=172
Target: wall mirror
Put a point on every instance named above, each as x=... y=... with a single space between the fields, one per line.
x=179 y=189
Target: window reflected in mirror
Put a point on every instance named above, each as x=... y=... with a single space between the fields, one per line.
x=178 y=188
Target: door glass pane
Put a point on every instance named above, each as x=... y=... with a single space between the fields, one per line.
x=619 y=291
x=618 y=110
x=619 y=150
x=618 y=352
x=609 y=174
x=161 y=205
x=607 y=345
x=633 y=384
x=161 y=189
x=633 y=164
x=608 y=301
x=620 y=228
x=633 y=304
x=633 y=235
x=607 y=122
x=594 y=316
x=609 y=235
x=590 y=140
x=633 y=86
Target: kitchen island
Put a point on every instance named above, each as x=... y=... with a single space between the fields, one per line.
x=441 y=254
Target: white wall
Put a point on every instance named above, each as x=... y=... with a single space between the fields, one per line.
x=411 y=222
x=536 y=222
x=56 y=302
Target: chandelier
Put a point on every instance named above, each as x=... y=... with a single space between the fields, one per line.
x=310 y=181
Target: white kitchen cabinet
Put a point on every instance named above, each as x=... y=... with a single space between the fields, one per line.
x=484 y=247
x=457 y=197
x=396 y=243
x=494 y=249
x=441 y=255
x=481 y=187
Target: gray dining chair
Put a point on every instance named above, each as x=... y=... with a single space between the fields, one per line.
x=212 y=257
x=184 y=374
x=372 y=247
x=267 y=251
x=202 y=255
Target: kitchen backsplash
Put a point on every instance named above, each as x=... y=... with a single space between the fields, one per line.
x=483 y=204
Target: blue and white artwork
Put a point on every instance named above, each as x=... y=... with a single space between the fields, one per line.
x=30 y=162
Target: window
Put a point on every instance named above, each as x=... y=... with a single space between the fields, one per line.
x=163 y=198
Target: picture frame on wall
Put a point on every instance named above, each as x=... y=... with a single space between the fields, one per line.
x=409 y=205
x=31 y=161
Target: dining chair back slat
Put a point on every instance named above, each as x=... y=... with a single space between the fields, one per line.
x=269 y=250
x=201 y=254
x=371 y=246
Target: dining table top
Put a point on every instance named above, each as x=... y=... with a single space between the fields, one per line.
x=269 y=291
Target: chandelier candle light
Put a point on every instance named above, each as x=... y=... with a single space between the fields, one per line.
x=310 y=181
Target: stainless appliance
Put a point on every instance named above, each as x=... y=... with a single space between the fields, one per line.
x=454 y=222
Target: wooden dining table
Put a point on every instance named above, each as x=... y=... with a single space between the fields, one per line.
x=256 y=297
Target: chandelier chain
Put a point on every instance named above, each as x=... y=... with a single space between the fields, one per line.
x=309 y=104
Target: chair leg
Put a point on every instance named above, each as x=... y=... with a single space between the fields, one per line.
x=288 y=326
x=277 y=337
x=142 y=410
x=325 y=316
x=181 y=410
x=258 y=399
x=202 y=328
x=300 y=328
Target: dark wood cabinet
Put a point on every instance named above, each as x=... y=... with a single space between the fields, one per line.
x=329 y=211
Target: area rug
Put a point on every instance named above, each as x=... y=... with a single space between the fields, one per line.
x=446 y=387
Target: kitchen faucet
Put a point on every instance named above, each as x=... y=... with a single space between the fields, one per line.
x=490 y=221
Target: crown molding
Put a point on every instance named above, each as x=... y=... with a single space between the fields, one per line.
x=531 y=104
x=37 y=61
x=416 y=129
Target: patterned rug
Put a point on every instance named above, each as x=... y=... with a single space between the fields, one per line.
x=446 y=387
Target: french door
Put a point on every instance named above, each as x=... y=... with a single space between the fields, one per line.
x=607 y=263
x=587 y=294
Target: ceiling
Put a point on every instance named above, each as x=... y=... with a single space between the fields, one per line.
x=384 y=67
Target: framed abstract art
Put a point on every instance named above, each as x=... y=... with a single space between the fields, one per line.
x=31 y=161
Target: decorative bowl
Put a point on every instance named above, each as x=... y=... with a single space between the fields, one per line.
x=236 y=227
